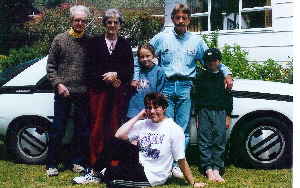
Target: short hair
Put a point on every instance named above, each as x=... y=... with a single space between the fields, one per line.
x=146 y=46
x=156 y=99
x=110 y=13
x=80 y=8
x=181 y=7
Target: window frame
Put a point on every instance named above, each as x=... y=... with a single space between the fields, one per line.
x=239 y=21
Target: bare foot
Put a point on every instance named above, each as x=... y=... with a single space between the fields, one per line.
x=218 y=177
x=211 y=175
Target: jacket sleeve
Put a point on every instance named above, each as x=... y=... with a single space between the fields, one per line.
x=53 y=63
x=160 y=80
x=126 y=70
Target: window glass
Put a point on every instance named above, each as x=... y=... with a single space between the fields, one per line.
x=256 y=3
x=257 y=19
x=199 y=23
x=225 y=16
x=198 y=6
x=14 y=71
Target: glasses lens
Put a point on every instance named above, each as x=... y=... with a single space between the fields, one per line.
x=80 y=20
x=111 y=22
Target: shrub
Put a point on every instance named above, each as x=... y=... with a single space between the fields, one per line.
x=139 y=27
x=236 y=60
x=22 y=55
x=51 y=22
x=139 y=24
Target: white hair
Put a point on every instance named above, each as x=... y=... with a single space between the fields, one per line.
x=81 y=8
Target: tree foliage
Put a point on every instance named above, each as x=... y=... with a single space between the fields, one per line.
x=13 y=15
x=139 y=26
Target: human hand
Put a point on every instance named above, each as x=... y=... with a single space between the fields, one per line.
x=199 y=184
x=143 y=114
x=109 y=77
x=63 y=90
x=135 y=84
x=227 y=122
x=116 y=83
x=228 y=83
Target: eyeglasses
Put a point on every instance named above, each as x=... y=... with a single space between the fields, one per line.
x=80 y=20
x=111 y=22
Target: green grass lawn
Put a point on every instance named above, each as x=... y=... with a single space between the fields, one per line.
x=22 y=175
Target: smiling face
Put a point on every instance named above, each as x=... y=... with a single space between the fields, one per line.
x=79 y=21
x=112 y=26
x=156 y=113
x=146 y=57
x=181 y=21
x=213 y=65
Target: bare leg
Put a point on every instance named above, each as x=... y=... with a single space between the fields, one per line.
x=218 y=177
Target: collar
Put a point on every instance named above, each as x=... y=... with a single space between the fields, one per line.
x=76 y=35
x=180 y=36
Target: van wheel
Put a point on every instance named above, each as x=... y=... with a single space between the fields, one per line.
x=265 y=143
x=28 y=142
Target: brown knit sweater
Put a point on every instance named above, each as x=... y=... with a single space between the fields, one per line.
x=66 y=62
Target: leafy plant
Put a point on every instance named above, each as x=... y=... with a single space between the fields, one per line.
x=212 y=42
x=236 y=60
x=139 y=26
x=23 y=54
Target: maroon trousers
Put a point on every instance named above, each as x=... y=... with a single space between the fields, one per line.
x=107 y=110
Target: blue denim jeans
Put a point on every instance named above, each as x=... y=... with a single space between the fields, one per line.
x=178 y=94
x=79 y=150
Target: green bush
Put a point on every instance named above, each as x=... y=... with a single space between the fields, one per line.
x=139 y=26
x=23 y=54
x=236 y=60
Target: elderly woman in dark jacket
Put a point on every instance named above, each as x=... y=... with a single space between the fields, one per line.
x=109 y=70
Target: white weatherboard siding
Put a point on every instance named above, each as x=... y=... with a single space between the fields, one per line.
x=275 y=42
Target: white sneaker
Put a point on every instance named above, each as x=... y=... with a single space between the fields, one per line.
x=77 y=168
x=52 y=172
x=86 y=178
x=176 y=172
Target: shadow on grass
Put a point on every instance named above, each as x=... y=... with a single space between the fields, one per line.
x=5 y=155
x=176 y=181
x=193 y=159
x=4 y=152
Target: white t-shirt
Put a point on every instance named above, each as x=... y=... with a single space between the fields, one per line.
x=159 y=145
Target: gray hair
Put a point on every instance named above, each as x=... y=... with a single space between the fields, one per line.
x=112 y=13
x=80 y=8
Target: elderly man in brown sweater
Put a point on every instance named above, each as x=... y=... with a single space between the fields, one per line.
x=66 y=73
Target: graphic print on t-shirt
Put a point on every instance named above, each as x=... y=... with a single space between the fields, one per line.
x=144 y=86
x=148 y=144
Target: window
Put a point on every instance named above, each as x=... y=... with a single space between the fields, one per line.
x=211 y=15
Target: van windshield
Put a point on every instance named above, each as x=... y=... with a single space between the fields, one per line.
x=9 y=74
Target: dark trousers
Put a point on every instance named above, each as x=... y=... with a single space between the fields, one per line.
x=212 y=138
x=79 y=150
x=128 y=169
x=107 y=110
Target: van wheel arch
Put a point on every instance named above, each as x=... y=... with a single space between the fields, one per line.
x=249 y=128
x=27 y=139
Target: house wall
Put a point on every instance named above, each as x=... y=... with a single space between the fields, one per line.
x=275 y=42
